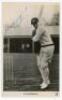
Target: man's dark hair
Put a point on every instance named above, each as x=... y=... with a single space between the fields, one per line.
x=34 y=20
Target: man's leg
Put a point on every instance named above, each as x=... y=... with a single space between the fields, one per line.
x=46 y=55
x=38 y=60
x=44 y=70
x=43 y=66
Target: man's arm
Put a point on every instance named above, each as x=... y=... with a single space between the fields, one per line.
x=39 y=32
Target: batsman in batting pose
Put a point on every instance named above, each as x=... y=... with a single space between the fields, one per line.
x=44 y=57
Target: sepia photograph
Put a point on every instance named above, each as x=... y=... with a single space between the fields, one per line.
x=31 y=47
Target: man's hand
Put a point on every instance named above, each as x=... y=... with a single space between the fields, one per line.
x=34 y=39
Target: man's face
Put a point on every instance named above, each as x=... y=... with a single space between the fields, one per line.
x=36 y=26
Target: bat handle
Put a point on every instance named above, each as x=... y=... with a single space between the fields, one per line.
x=32 y=46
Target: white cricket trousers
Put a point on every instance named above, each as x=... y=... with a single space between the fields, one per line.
x=43 y=60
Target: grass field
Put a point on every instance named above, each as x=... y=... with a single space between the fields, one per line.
x=21 y=73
